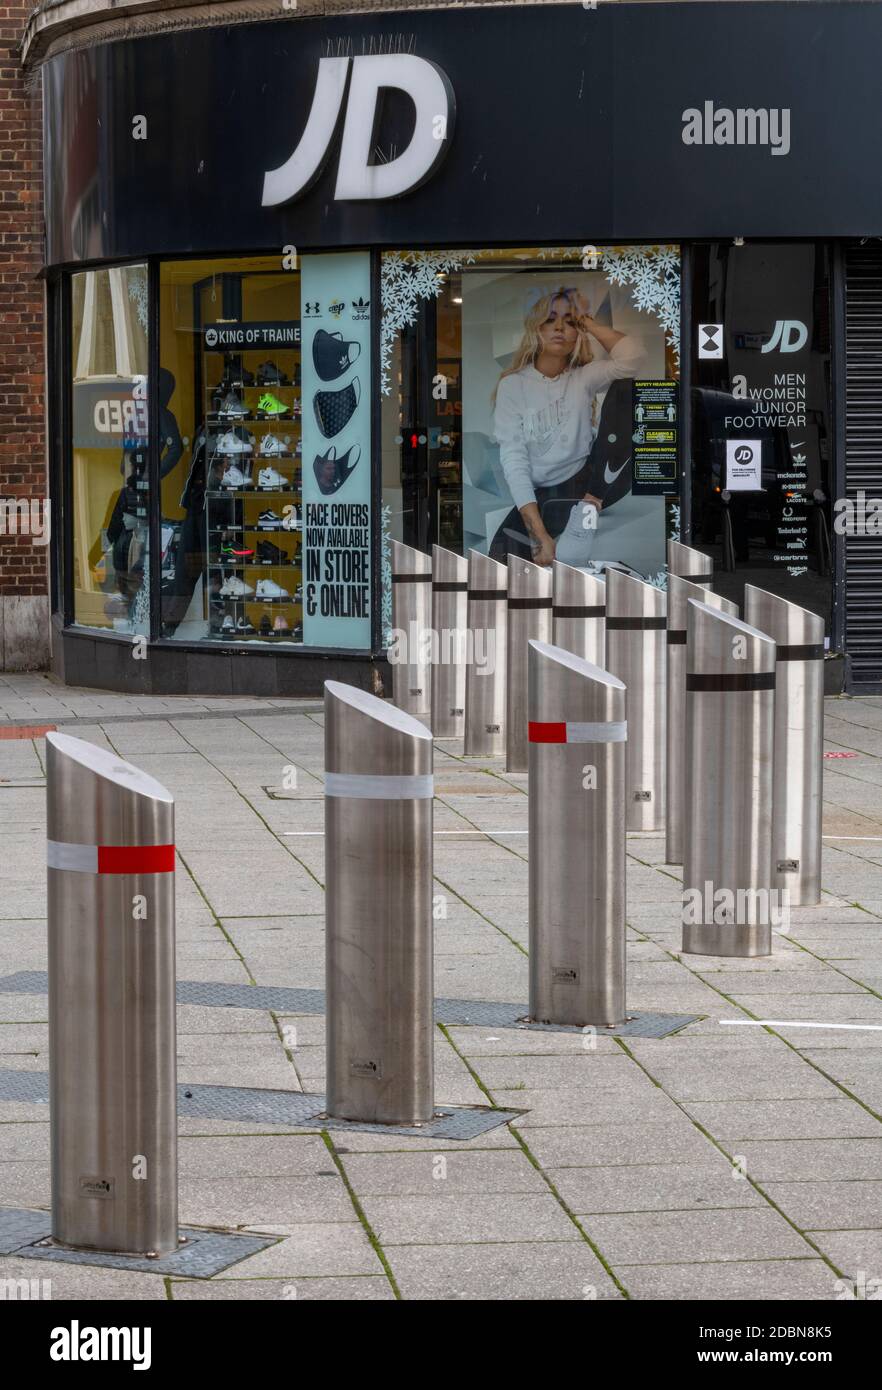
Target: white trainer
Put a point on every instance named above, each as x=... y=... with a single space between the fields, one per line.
x=272 y=447
x=234 y=587
x=268 y=588
x=234 y=477
x=270 y=478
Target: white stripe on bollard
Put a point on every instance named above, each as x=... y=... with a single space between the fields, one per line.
x=370 y=787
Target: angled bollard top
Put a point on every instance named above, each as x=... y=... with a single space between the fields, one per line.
x=95 y=798
x=724 y=653
x=688 y=563
x=409 y=565
x=680 y=591
x=633 y=603
x=577 y=589
x=798 y=632
x=564 y=689
x=370 y=737
x=528 y=584
x=450 y=572
x=488 y=579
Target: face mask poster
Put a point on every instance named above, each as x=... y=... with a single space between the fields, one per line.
x=336 y=386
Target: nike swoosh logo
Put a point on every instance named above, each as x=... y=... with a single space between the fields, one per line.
x=611 y=477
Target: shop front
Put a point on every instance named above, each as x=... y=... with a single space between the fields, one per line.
x=315 y=285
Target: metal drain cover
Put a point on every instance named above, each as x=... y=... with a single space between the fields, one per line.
x=206 y=1252
x=482 y=1012
x=297 y=1109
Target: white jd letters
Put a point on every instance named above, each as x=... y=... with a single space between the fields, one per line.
x=429 y=90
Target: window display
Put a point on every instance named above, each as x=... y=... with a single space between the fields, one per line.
x=533 y=403
x=110 y=485
x=761 y=437
x=232 y=515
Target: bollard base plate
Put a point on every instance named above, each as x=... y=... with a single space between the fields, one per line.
x=298 y=1109
x=28 y=1234
x=285 y=1000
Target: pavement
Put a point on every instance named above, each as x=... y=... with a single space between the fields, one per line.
x=722 y=1162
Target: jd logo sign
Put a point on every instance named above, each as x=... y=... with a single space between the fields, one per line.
x=429 y=90
x=788 y=335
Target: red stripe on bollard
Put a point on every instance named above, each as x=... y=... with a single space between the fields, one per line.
x=136 y=859
x=547 y=733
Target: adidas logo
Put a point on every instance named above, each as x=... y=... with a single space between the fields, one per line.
x=361 y=308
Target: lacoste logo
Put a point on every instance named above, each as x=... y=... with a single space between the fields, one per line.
x=745 y=125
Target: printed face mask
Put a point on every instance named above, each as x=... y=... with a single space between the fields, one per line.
x=331 y=473
x=334 y=409
x=332 y=355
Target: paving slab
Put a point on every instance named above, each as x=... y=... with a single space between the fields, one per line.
x=528 y=1270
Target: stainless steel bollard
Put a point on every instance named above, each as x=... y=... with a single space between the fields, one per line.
x=730 y=694
x=799 y=741
x=112 y=1054
x=579 y=613
x=378 y=936
x=487 y=661
x=635 y=652
x=450 y=623
x=412 y=617
x=529 y=616
x=577 y=840
x=679 y=593
x=688 y=563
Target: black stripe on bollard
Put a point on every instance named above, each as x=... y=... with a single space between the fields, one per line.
x=529 y=603
x=757 y=680
x=636 y=624
x=676 y=637
x=491 y=594
x=443 y=587
x=812 y=652
x=697 y=578
x=562 y=610
x=411 y=579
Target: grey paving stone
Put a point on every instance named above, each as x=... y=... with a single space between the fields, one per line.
x=478 y=1043
x=739 y=1075
x=784 y=1119
x=544 y=1270
x=792 y=1160
x=250 y=1201
x=584 y=1071
x=654 y=1187
x=829 y=1205
x=368 y=1287
x=857 y=1254
x=83 y=1282
x=270 y=1156
x=313 y=1249
x=586 y=1108
x=586 y=1146
x=468 y=1218
x=764 y=1280
x=741 y=1233
x=432 y=1174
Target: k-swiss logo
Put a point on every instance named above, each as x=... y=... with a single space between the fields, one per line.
x=357 y=178
x=788 y=335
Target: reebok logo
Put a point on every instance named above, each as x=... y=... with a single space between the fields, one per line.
x=77 y=1343
x=746 y=125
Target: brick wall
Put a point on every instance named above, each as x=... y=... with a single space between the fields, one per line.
x=23 y=565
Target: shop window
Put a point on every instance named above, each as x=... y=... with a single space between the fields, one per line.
x=111 y=559
x=530 y=404
x=761 y=439
x=266 y=516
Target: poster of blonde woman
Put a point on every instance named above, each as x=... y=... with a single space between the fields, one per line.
x=549 y=362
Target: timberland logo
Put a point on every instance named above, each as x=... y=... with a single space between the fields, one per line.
x=359 y=175
x=745 y=125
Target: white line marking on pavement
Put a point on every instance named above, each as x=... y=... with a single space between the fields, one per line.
x=793 y=1023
